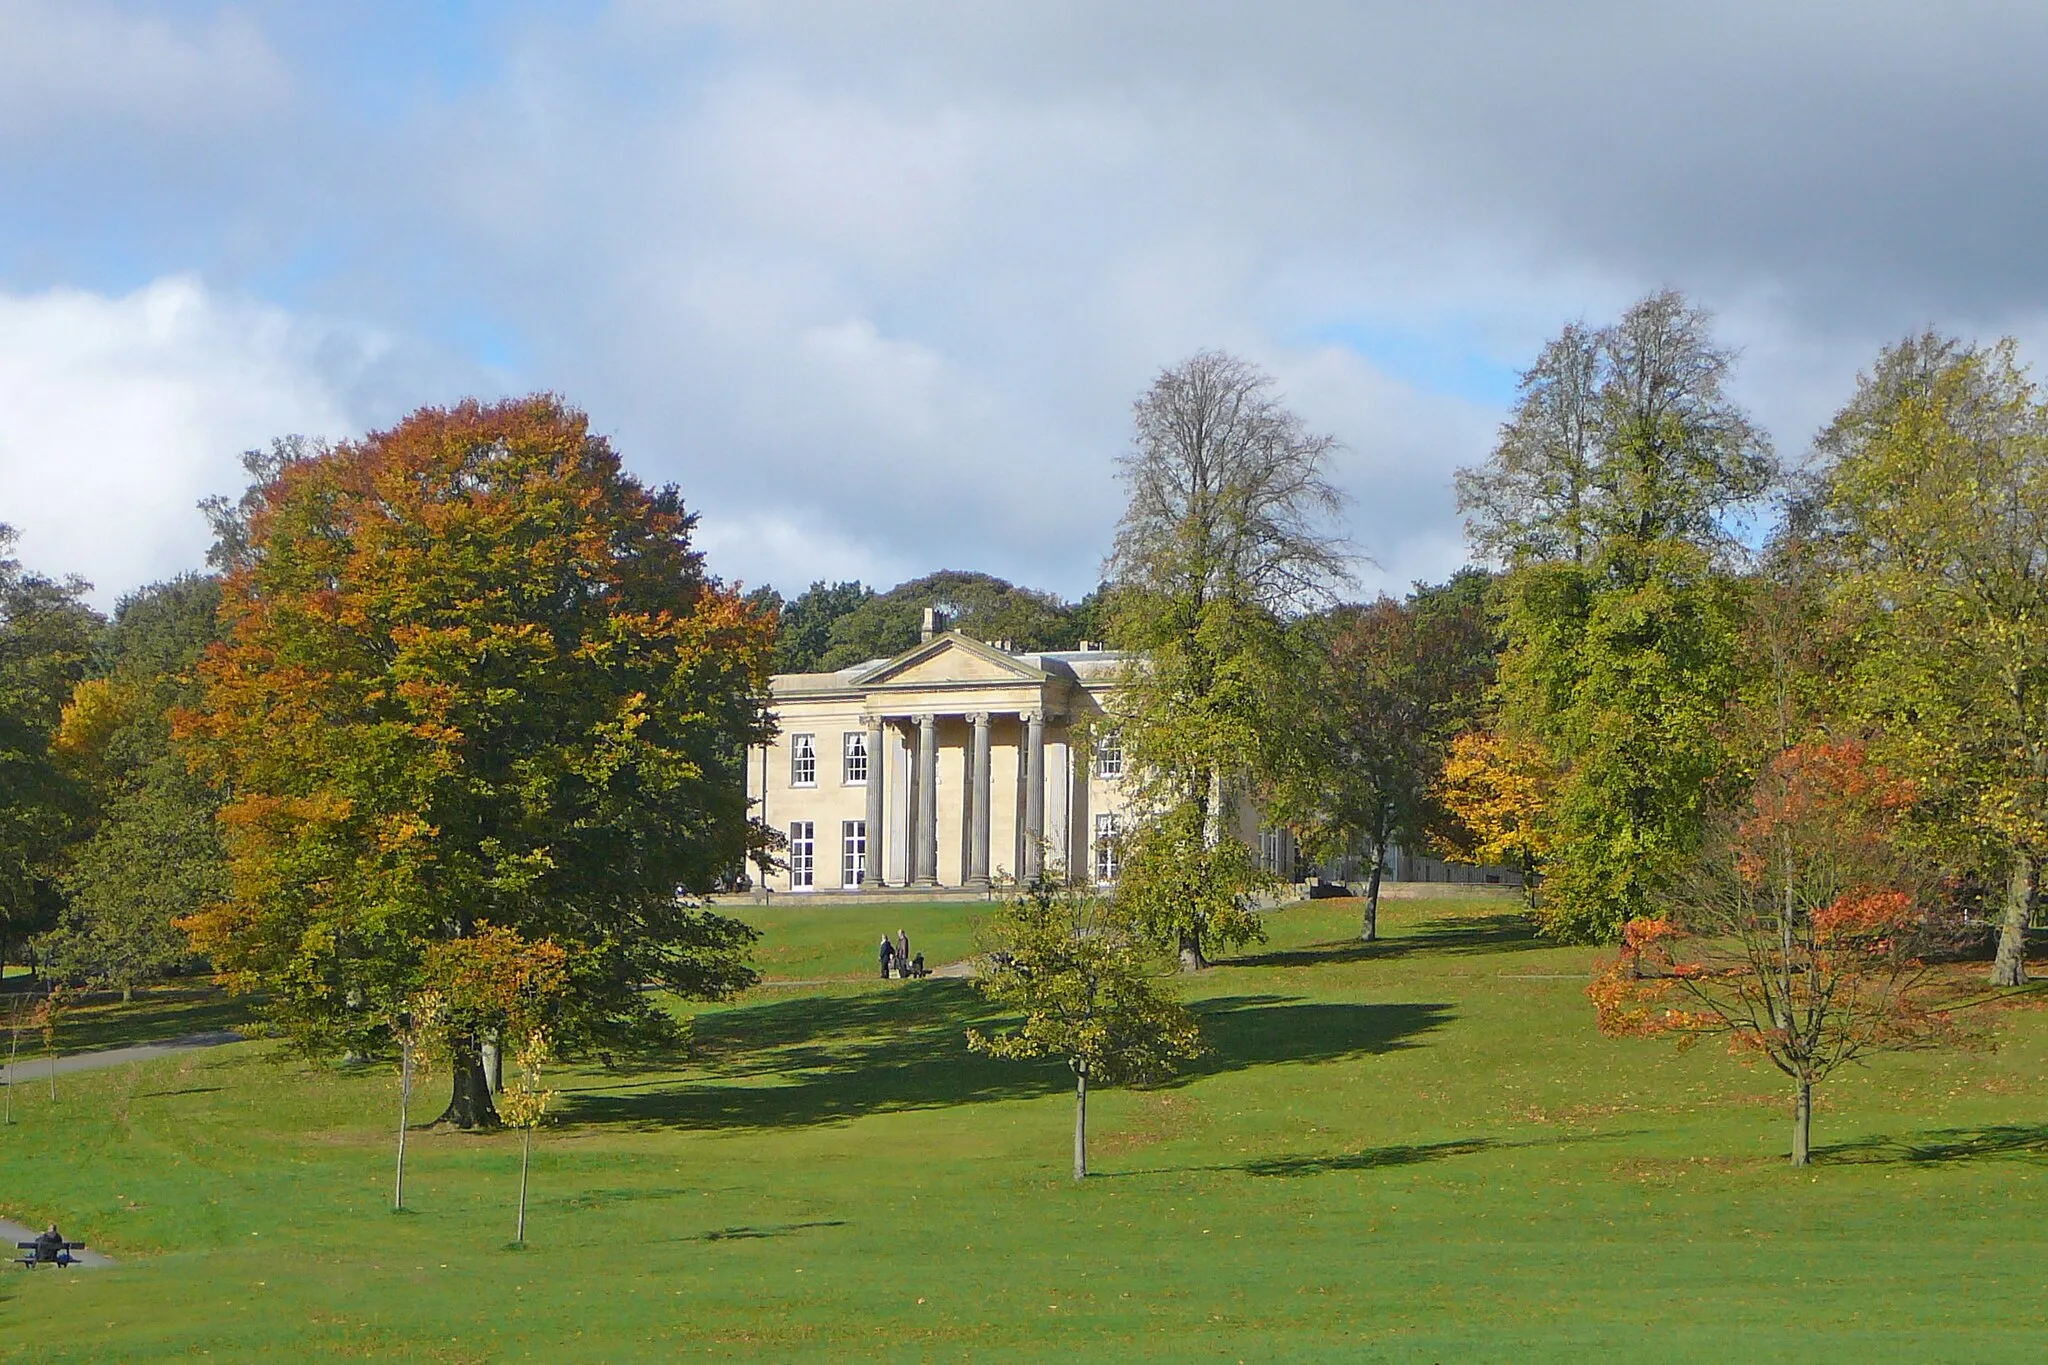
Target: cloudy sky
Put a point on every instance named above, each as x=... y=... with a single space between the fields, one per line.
x=876 y=283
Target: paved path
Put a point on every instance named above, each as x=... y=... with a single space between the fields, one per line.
x=10 y=1233
x=956 y=970
x=30 y=1068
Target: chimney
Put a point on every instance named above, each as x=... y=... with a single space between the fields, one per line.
x=931 y=625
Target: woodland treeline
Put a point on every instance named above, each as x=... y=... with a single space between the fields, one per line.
x=506 y=705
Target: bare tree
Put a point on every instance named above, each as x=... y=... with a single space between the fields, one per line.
x=1228 y=532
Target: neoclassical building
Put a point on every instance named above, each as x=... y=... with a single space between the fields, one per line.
x=953 y=765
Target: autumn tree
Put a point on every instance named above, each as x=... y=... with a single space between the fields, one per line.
x=1495 y=792
x=152 y=852
x=46 y=637
x=1398 y=681
x=1609 y=500
x=1083 y=974
x=1226 y=536
x=1935 y=484
x=1799 y=935
x=474 y=672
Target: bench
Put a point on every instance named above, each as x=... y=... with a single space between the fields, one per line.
x=64 y=1257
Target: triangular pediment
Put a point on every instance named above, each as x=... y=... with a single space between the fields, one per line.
x=948 y=658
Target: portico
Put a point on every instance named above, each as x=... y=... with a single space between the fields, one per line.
x=947 y=768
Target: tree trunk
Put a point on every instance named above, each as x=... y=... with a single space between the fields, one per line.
x=469 y=1102
x=1802 y=1122
x=525 y=1152
x=494 y=1063
x=404 y=1098
x=2010 y=967
x=1080 y=1125
x=1191 y=959
x=1369 y=932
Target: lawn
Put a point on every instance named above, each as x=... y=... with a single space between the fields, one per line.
x=1418 y=1150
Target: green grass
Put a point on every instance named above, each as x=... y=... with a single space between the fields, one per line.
x=803 y=942
x=1415 y=1151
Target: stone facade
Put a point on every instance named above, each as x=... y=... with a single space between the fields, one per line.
x=950 y=767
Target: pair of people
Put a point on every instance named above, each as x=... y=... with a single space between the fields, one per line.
x=897 y=956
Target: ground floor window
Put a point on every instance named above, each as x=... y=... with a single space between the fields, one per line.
x=1107 y=829
x=853 y=851
x=803 y=855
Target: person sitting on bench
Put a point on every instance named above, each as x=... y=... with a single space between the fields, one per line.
x=50 y=1247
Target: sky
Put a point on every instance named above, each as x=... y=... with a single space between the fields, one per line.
x=875 y=284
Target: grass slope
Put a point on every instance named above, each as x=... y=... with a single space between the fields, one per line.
x=1413 y=1151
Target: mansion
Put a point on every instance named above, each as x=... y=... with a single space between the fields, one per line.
x=952 y=766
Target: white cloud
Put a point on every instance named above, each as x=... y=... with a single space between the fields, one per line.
x=118 y=414
x=76 y=59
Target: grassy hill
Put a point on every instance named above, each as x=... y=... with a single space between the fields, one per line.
x=1418 y=1150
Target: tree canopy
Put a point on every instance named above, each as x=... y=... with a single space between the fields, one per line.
x=473 y=671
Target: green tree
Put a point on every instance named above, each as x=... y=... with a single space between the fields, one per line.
x=1609 y=500
x=46 y=636
x=1083 y=974
x=1226 y=536
x=1935 y=484
x=804 y=625
x=1400 y=681
x=473 y=671
x=980 y=604
x=154 y=853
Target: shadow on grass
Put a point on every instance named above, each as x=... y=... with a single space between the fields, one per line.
x=749 y=1234
x=1404 y=1154
x=828 y=1059
x=1460 y=935
x=1941 y=1145
x=154 y=1015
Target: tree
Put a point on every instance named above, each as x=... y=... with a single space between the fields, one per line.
x=1935 y=485
x=46 y=634
x=1081 y=972
x=153 y=854
x=492 y=983
x=1798 y=938
x=526 y=1104
x=1495 y=790
x=1609 y=500
x=474 y=672
x=804 y=625
x=990 y=608
x=1399 y=680
x=1225 y=536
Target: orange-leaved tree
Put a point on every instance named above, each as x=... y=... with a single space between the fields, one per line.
x=474 y=671
x=1800 y=935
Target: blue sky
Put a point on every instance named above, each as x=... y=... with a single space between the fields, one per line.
x=876 y=283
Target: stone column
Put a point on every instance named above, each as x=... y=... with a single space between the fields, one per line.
x=1034 y=794
x=878 y=832
x=978 y=796
x=927 y=843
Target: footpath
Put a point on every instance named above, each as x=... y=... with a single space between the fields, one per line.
x=28 y=1069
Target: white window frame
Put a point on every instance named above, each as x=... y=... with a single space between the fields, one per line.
x=1109 y=755
x=853 y=753
x=803 y=855
x=1109 y=827
x=803 y=760
x=853 y=852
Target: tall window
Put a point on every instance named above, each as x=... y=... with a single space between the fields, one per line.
x=803 y=761
x=1107 y=829
x=803 y=855
x=1109 y=755
x=856 y=762
x=853 y=851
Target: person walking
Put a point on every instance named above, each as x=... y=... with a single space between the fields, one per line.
x=903 y=953
x=888 y=951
